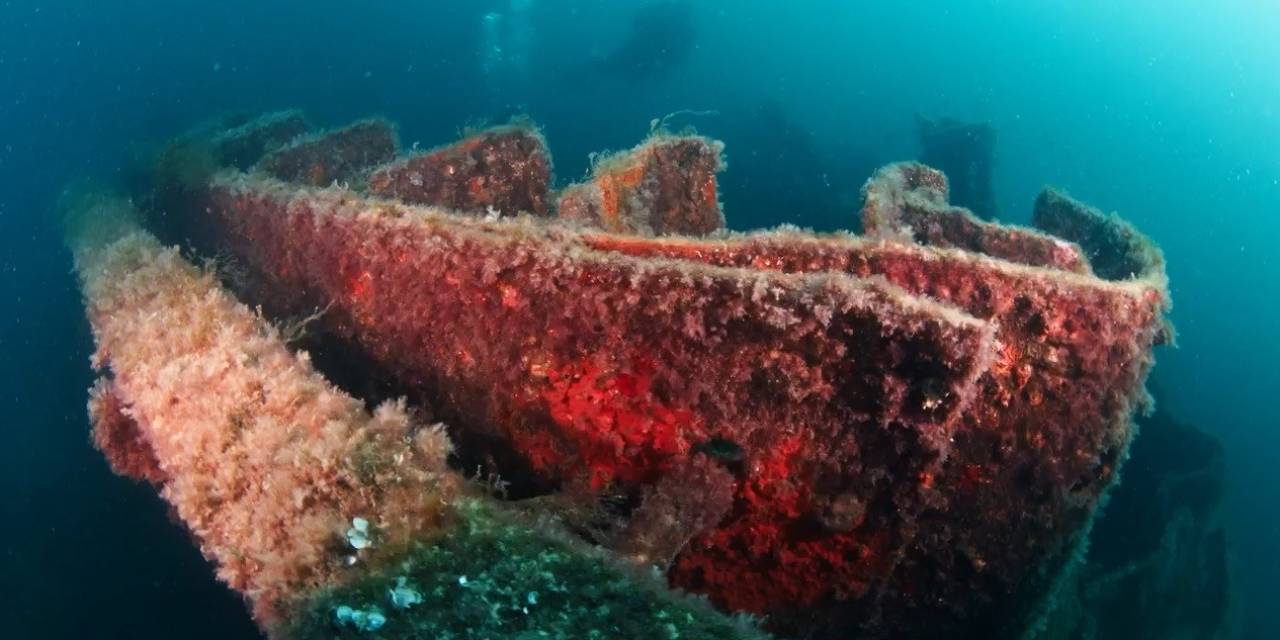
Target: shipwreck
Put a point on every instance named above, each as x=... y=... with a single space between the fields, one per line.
x=900 y=433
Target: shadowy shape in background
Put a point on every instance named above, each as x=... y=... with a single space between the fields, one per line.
x=661 y=37
x=966 y=153
x=1158 y=559
x=776 y=173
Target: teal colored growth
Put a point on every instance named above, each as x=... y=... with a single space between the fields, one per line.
x=493 y=578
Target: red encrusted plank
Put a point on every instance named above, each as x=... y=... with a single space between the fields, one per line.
x=338 y=155
x=828 y=397
x=504 y=170
x=666 y=185
x=1043 y=438
x=908 y=201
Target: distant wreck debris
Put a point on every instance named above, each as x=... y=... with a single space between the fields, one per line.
x=904 y=434
x=965 y=152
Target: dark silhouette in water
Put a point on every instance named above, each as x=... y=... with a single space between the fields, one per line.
x=966 y=153
x=661 y=36
x=1157 y=565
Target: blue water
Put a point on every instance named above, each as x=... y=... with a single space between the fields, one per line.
x=1168 y=112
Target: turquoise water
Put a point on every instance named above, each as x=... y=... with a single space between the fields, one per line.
x=1163 y=111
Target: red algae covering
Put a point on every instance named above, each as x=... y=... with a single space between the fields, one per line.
x=261 y=458
x=1050 y=423
x=331 y=156
x=666 y=185
x=117 y=436
x=892 y=438
x=908 y=201
x=506 y=170
x=607 y=370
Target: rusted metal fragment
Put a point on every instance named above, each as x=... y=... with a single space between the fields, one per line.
x=340 y=155
x=500 y=171
x=908 y=201
x=667 y=185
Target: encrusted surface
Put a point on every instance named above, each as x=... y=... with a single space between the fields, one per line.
x=607 y=370
x=908 y=201
x=1048 y=426
x=333 y=156
x=1116 y=249
x=309 y=505
x=499 y=171
x=118 y=437
x=890 y=437
x=667 y=185
x=263 y=460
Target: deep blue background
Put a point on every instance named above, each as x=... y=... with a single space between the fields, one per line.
x=1166 y=111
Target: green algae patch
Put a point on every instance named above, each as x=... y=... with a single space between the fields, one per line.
x=495 y=577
